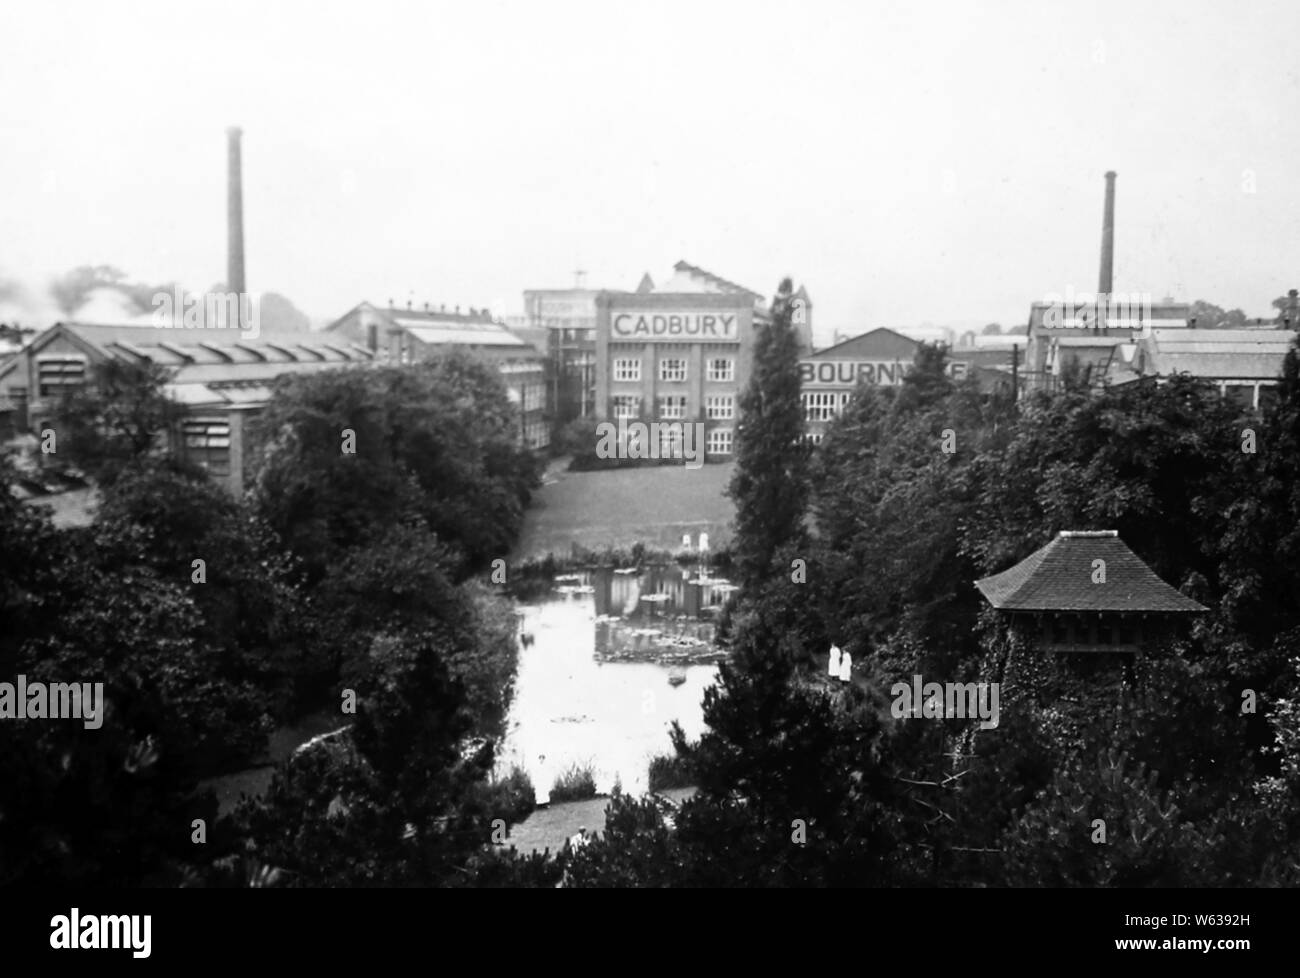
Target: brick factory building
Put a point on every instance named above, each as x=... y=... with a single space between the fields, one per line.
x=682 y=352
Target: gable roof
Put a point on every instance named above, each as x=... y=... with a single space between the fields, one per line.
x=881 y=342
x=395 y=316
x=722 y=284
x=1058 y=577
x=202 y=362
x=1250 y=354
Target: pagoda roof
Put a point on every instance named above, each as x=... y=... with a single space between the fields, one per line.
x=1059 y=577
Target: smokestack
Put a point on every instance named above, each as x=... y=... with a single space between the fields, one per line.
x=234 y=214
x=1108 y=237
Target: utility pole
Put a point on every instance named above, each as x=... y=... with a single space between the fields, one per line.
x=1015 y=372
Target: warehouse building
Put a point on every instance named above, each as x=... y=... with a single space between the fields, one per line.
x=410 y=335
x=222 y=377
x=1245 y=364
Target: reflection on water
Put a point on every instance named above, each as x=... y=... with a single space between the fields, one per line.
x=593 y=683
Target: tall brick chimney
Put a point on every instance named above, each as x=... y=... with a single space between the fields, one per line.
x=1107 y=237
x=234 y=214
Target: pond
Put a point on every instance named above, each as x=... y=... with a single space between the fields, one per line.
x=608 y=660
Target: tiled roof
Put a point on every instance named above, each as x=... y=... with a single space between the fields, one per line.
x=1059 y=577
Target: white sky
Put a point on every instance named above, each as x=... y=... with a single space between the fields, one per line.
x=907 y=162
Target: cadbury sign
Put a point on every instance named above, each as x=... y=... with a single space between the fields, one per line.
x=702 y=327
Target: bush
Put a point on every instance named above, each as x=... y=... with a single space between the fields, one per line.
x=670 y=771
x=575 y=783
x=512 y=797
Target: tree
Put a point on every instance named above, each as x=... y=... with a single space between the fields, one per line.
x=432 y=444
x=118 y=419
x=769 y=484
x=1210 y=316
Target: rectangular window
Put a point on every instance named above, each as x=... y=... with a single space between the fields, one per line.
x=821 y=405
x=207 y=444
x=626 y=406
x=672 y=370
x=721 y=407
x=722 y=370
x=1240 y=395
x=57 y=375
x=627 y=370
x=670 y=441
x=813 y=438
x=719 y=442
x=672 y=408
x=1267 y=396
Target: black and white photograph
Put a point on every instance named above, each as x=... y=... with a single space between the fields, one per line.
x=619 y=446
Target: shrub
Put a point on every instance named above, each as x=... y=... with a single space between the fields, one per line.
x=576 y=782
x=511 y=797
x=670 y=771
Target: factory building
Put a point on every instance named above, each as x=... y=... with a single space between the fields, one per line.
x=410 y=335
x=221 y=376
x=881 y=357
x=1245 y=364
x=682 y=352
x=568 y=319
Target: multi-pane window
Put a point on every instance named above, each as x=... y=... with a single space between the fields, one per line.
x=719 y=442
x=721 y=407
x=823 y=405
x=722 y=369
x=626 y=406
x=538 y=437
x=627 y=369
x=672 y=408
x=207 y=444
x=813 y=438
x=819 y=405
x=57 y=375
x=670 y=441
x=672 y=370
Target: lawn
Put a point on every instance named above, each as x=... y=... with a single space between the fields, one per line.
x=655 y=505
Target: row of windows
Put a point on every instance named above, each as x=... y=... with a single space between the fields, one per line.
x=716 y=442
x=672 y=407
x=674 y=370
x=823 y=405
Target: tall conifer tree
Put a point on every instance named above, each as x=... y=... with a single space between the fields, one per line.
x=770 y=482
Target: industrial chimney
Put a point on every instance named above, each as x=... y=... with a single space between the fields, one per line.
x=234 y=215
x=1107 y=238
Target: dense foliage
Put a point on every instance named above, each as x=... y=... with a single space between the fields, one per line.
x=1176 y=770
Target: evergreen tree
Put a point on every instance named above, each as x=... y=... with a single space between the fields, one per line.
x=770 y=482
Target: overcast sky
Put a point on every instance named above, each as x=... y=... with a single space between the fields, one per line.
x=908 y=162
